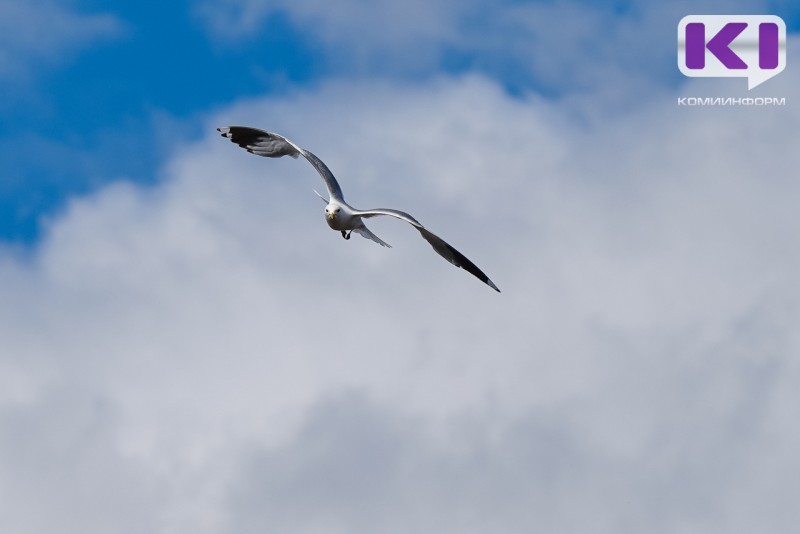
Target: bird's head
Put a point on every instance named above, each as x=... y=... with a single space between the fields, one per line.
x=332 y=211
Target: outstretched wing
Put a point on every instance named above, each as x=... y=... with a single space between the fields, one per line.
x=443 y=248
x=272 y=145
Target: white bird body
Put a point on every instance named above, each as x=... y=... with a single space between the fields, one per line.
x=339 y=215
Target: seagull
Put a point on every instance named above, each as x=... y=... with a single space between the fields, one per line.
x=339 y=214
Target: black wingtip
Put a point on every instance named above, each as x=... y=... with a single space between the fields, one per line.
x=473 y=269
x=467 y=265
x=449 y=253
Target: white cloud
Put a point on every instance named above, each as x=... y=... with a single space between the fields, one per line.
x=610 y=51
x=44 y=31
x=207 y=356
x=383 y=25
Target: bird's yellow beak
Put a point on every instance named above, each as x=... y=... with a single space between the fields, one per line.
x=330 y=215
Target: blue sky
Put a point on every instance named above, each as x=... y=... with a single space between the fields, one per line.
x=93 y=107
x=101 y=99
x=185 y=346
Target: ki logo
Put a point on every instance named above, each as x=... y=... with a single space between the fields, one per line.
x=742 y=46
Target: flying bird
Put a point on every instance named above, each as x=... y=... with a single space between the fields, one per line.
x=339 y=214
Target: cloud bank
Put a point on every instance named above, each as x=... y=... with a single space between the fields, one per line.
x=205 y=355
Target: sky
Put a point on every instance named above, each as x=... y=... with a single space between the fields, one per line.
x=186 y=347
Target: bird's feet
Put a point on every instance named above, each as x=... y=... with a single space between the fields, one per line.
x=346 y=235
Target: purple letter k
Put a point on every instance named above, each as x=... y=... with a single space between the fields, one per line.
x=719 y=45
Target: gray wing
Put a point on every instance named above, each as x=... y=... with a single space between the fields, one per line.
x=272 y=145
x=443 y=248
